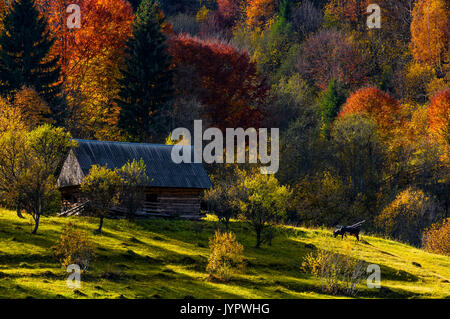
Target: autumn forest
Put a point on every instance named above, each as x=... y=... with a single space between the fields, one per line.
x=363 y=110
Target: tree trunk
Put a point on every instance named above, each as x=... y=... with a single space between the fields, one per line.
x=19 y=213
x=258 y=237
x=99 y=230
x=227 y=224
x=131 y=213
x=36 y=224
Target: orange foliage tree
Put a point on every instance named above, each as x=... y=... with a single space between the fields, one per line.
x=377 y=104
x=3 y=7
x=260 y=12
x=430 y=34
x=104 y=24
x=439 y=115
x=90 y=59
x=55 y=11
x=231 y=90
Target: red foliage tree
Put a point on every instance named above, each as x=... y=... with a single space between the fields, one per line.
x=439 y=115
x=230 y=89
x=219 y=23
x=329 y=55
x=378 y=105
x=230 y=10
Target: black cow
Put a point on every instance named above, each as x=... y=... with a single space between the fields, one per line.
x=352 y=230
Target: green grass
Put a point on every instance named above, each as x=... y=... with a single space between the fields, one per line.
x=167 y=259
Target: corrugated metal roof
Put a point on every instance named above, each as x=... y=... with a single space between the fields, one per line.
x=162 y=171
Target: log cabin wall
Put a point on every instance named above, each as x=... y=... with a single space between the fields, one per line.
x=172 y=201
x=164 y=202
x=71 y=196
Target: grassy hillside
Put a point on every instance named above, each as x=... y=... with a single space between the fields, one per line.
x=167 y=259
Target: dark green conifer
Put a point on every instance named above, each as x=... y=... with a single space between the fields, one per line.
x=25 y=44
x=330 y=103
x=146 y=80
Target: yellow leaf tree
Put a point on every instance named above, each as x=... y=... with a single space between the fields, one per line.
x=34 y=109
x=429 y=33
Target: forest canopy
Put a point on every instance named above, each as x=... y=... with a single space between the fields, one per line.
x=363 y=112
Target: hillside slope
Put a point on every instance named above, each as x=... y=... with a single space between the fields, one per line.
x=167 y=259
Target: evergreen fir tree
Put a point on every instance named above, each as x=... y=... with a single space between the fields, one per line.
x=146 y=80
x=25 y=43
x=330 y=103
x=134 y=4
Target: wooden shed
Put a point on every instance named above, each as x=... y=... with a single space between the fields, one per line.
x=174 y=190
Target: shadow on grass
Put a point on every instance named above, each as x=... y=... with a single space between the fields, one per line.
x=390 y=273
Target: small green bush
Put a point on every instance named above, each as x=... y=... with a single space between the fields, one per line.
x=226 y=256
x=74 y=247
x=338 y=273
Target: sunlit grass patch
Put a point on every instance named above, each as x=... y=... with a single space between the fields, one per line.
x=168 y=258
